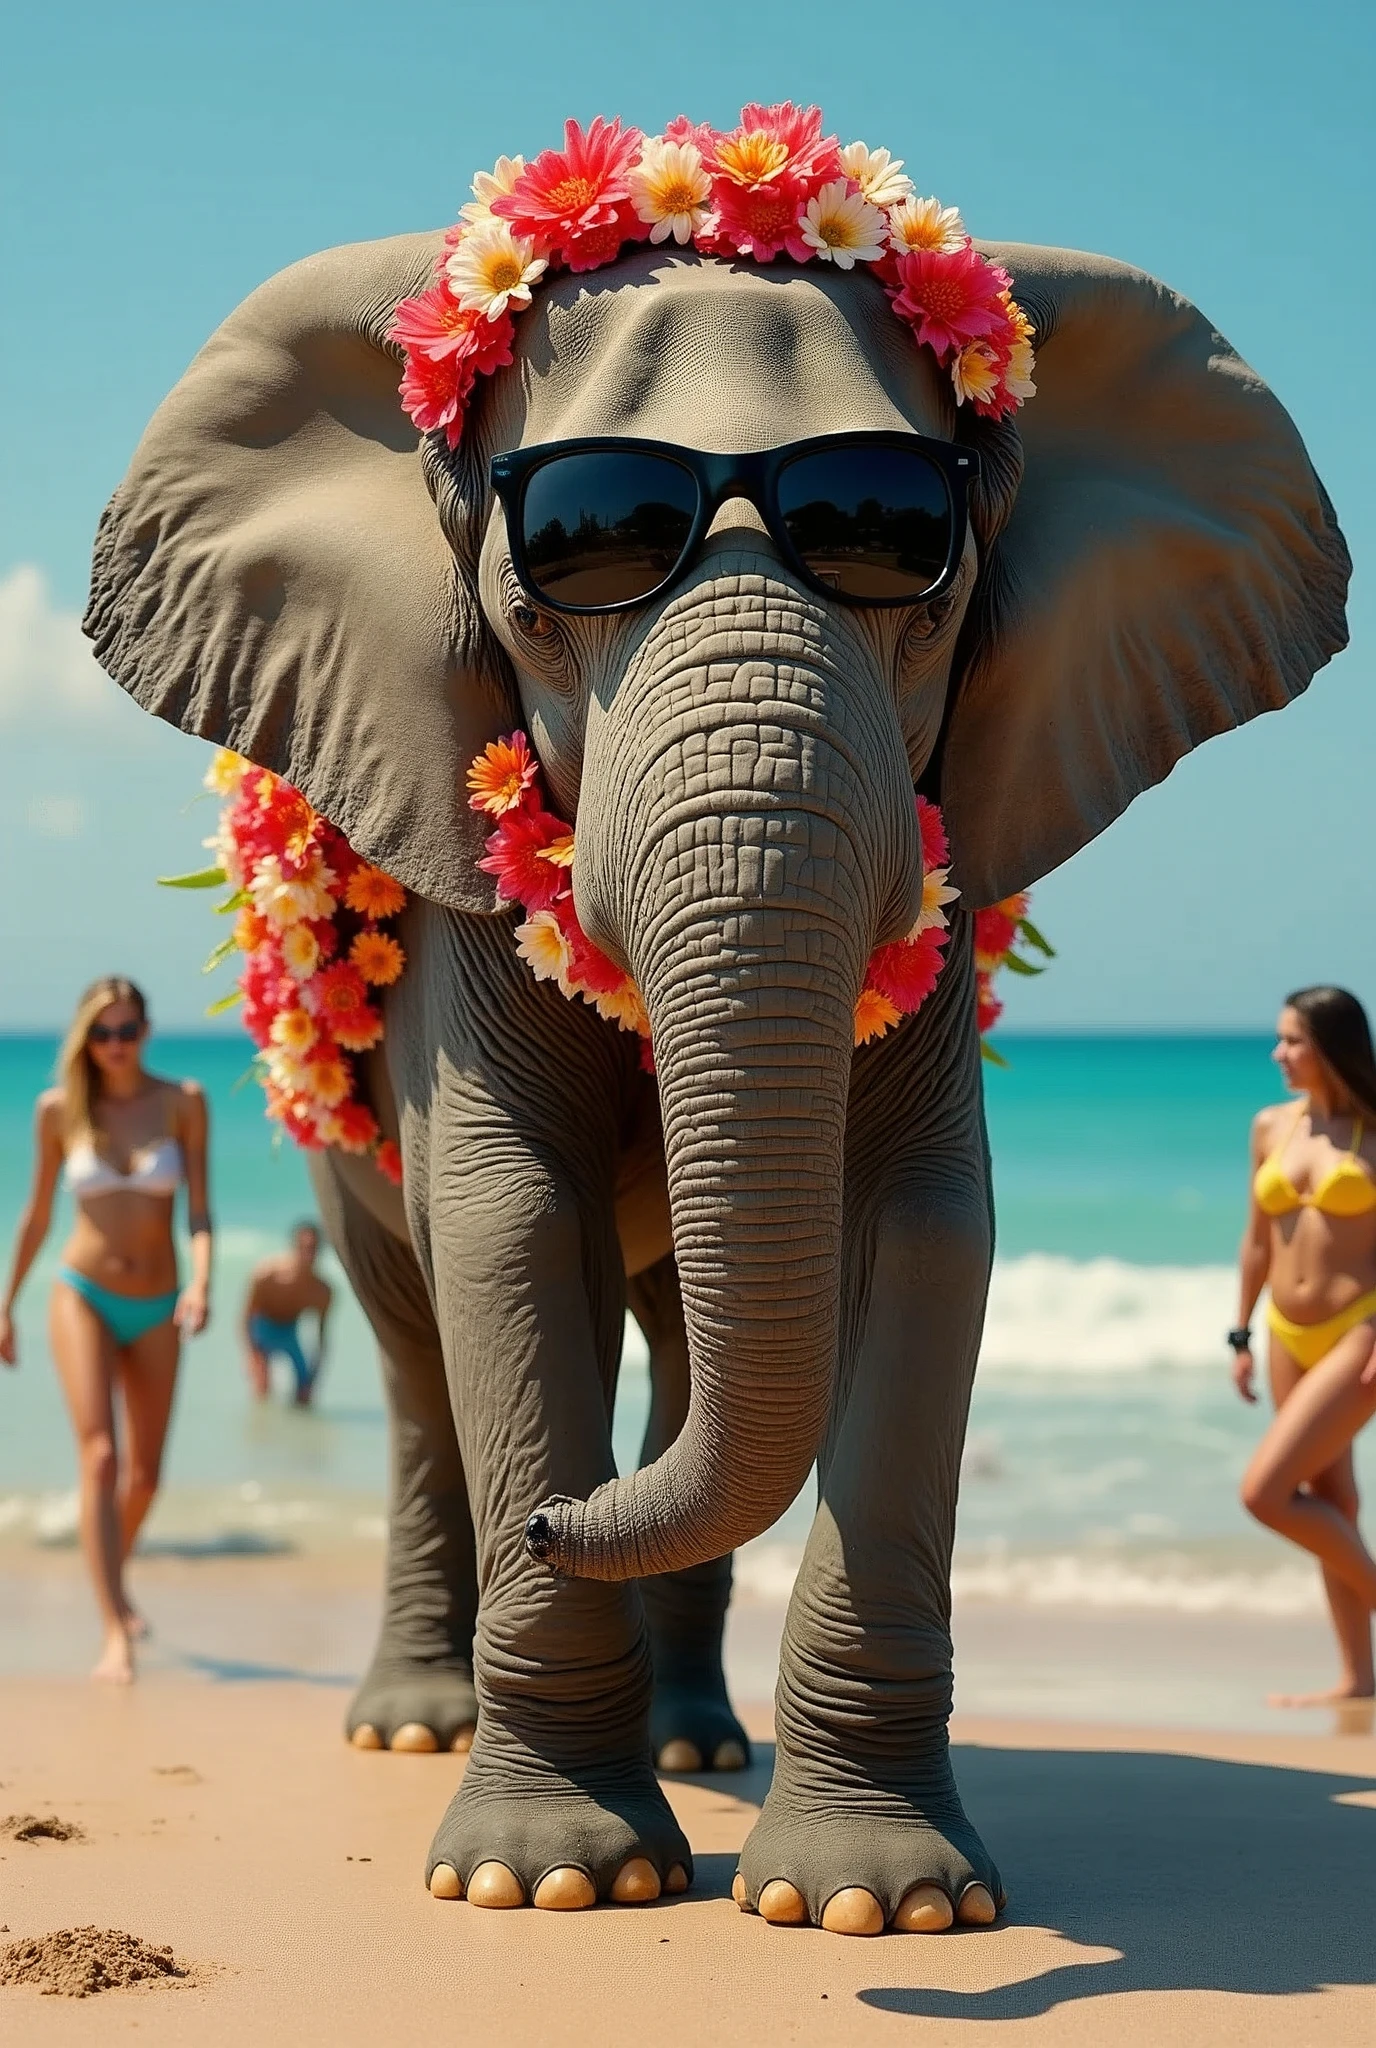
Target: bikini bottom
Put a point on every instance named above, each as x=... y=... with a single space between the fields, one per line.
x=126 y=1316
x=1307 y=1343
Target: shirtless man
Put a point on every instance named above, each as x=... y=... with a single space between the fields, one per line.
x=283 y=1289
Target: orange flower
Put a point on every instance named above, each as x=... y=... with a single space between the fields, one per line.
x=251 y=930
x=328 y=1081
x=360 y=1031
x=388 y=1156
x=559 y=852
x=501 y=775
x=874 y=1015
x=373 y=894
x=377 y=958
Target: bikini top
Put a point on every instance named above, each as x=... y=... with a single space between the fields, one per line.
x=154 y=1169
x=1347 y=1189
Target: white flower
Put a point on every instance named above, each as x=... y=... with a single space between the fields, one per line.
x=671 y=188
x=490 y=185
x=545 y=950
x=492 y=267
x=936 y=894
x=881 y=178
x=975 y=372
x=1017 y=378
x=623 y=1007
x=290 y=899
x=926 y=224
x=842 y=227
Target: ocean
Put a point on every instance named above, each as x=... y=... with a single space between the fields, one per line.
x=1106 y=1442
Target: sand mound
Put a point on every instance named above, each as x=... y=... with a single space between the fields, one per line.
x=32 y=1827
x=74 y=1962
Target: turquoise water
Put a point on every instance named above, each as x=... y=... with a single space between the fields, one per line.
x=1106 y=1442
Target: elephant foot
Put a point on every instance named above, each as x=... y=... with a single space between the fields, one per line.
x=414 y=1707
x=519 y=1832
x=693 y=1729
x=810 y=1863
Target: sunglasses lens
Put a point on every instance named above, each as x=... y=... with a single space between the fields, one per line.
x=870 y=523
x=111 y=1034
x=606 y=527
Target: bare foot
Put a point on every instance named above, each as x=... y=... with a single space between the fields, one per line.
x=116 y=1665
x=1335 y=1696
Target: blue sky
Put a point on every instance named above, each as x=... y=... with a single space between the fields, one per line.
x=160 y=160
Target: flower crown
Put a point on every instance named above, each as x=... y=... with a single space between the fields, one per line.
x=775 y=185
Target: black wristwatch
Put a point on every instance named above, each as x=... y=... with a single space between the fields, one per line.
x=1240 y=1340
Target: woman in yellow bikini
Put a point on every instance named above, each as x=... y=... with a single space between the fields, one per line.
x=117 y=1316
x=1311 y=1238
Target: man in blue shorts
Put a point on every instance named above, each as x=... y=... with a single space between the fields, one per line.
x=282 y=1290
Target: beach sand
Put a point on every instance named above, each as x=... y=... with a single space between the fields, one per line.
x=1165 y=1885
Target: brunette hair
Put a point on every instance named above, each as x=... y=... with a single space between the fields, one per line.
x=1341 y=1035
x=76 y=1073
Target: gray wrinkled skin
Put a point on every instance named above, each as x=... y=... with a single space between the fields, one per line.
x=804 y=1232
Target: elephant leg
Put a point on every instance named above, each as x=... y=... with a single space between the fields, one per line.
x=418 y=1692
x=863 y=1827
x=692 y=1726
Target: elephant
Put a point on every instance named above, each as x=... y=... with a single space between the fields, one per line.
x=804 y=1229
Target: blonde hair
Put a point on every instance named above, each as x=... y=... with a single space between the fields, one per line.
x=76 y=1074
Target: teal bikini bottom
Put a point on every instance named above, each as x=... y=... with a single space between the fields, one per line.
x=126 y=1316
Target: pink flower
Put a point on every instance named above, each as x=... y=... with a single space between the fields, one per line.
x=988 y=1008
x=435 y=385
x=355 y=1127
x=763 y=175
x=759 y=220
x=513 y=856
x=936 y=848
x=906 y=973
x=433 y=324
x=569 y=194
x=434 y=394
x=589 y=968
x=950 y=296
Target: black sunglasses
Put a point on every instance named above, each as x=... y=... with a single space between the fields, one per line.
x=117 y=1034
x=602 y=524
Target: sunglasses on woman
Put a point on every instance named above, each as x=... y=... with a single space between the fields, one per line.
x=603 y=524
x=114 y=1034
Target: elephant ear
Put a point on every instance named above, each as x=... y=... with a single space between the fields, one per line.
x=1172 y=567
x=272 y=573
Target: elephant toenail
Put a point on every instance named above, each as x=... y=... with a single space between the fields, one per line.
x=782 y=1904
x=637 y=1882
x=976 y=1908
x=728 y=1755
x=924 y=1910
x=462 y=1742
x=680 y=1755
x=492 y=1884
x=539 y=1536
x=445 y=1882
x=677 y=1880
x=365 y=1736
x=853 y=1911
x=565 y=1891
x=738 y=1893
x=413 y=1738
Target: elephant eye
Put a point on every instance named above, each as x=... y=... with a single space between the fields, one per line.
x=527 y=620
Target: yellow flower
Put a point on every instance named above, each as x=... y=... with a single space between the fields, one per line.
x=925 y=224
x=975 y=372
x=559 y=852
x=545 y=950
x=226 y=772
x=881 y=178
x=1017 y=378
x=874 y=1015
x=492 y=268
x=294 y=1031
x=753 y=158
x=490 y=185
x=327 y=1081
x=670 y=187
x=842 y=227
x=300 y=951
x=625 y=1007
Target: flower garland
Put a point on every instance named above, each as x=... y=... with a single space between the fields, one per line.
x=773 y=186
x=309 y=918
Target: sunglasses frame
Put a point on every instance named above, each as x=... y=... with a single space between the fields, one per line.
x=718 y=478
x=114 y=1034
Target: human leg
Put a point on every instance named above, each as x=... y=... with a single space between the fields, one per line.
x=1337 y=1484
x=147 y=1371
x=1315 y=1425
x=85 y=1360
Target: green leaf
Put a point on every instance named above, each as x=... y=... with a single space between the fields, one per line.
x=203 y=878
x=1020 y=966
x=995 y=1059
x=223 y=1003
x=254 y=1071
x=1034 y=938
x=237 y=901
x=221 y=952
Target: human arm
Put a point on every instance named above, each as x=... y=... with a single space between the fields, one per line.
x=36 y=1216
x=1254 y=1257
x=193 y=1307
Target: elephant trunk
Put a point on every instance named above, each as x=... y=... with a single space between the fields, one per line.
x=746 y=912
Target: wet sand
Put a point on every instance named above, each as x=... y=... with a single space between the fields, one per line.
x=1165 y=1886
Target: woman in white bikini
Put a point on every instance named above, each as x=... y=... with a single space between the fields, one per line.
x=117 y=1317
x=1311 y=1237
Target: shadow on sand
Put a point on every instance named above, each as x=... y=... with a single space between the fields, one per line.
x=1204 y=1876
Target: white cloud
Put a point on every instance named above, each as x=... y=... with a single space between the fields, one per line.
x=48 y=675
